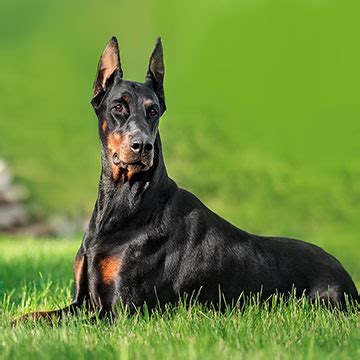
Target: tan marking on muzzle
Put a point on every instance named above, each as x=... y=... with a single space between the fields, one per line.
x=119 y=145
x=115 y=143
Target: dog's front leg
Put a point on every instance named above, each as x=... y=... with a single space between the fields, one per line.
x=81 y=295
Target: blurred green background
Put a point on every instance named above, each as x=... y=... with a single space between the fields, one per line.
x=262 y=95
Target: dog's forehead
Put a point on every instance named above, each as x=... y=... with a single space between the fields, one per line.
x=135 y=90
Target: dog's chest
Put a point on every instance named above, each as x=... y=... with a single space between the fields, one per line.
x=131 y=274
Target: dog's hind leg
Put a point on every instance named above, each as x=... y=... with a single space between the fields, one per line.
x=330 y=295
x=333 y=296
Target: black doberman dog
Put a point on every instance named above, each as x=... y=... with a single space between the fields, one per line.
x=148 y=241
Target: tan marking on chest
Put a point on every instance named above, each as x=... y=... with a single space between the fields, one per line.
x=109 y=268
x=78 y=267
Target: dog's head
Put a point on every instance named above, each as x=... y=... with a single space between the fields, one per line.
x=128 y=111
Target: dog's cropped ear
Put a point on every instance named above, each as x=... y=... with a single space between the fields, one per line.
x=109 y=64
x=155 y=73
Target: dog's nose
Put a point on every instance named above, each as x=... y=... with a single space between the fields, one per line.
x=148 y=146
x=141 y=146
x=136 y=145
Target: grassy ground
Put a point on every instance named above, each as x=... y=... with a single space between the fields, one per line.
x=37 y=275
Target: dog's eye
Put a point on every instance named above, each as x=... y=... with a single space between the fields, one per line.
x=118 y=108
x=153 y=112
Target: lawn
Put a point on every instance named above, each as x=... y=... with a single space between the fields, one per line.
x=37 y=275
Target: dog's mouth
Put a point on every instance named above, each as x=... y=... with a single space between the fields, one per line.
x=133 y=166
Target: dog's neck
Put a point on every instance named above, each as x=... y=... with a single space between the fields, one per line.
x=123 y=203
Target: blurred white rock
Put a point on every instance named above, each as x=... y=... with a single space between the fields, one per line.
x=16 y=219
x=13 y=212
x=5 y=177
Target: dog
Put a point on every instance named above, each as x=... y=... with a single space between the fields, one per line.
x=151 y=242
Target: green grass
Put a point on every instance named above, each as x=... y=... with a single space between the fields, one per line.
x=37 y=275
